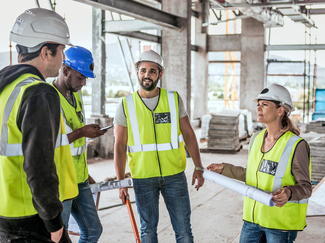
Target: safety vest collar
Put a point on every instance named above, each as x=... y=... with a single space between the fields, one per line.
x=145 y=103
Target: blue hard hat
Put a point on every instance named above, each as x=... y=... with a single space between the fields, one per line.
x=80 y=59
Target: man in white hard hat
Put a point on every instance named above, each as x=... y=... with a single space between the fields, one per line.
x=34 y=179
x=151 y=126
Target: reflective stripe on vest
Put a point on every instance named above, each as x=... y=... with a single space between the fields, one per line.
x=175 y=139
x=5 y=148
x=74 y=151
x=283 y=163
x=252 y=141
x=77 y=151
x=16 y=149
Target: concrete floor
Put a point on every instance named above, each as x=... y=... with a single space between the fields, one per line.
x=216 y=211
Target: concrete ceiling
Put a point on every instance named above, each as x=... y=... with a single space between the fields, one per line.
x=271 y=12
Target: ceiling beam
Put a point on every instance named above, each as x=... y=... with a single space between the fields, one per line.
x=312 y=47
x=144 y=36
x=138 y=35
x=316 y=11
x=138 y=11
x=129 y=25
x=234 y=6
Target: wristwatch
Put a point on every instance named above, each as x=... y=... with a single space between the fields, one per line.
x=199 y=168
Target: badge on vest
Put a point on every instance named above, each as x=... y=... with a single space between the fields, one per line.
x=80 y=115
x=268 y=167
x=161 y=118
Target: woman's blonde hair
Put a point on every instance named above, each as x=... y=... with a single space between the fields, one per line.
x=287 y=124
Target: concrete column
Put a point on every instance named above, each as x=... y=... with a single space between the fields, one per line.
x=224 y=42
x=176 y=51
x=252 y=71
x=104 y=145
x=201 y=62
x=99 y=54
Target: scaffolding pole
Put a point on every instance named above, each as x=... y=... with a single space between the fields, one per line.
x=124 y=59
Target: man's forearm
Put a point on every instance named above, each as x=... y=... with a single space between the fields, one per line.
x=75 y=135
x=120 y=161
x=190 y=140
x=193 y=148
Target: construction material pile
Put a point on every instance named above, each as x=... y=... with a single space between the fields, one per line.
x=317 y=152
x=316 y=126
x=224 y=130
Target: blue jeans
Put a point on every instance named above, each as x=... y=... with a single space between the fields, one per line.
x=253 y=233
x=175 y=193
x=83 y=210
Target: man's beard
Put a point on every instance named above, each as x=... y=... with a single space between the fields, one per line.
x=68 y=83
x=149 y=87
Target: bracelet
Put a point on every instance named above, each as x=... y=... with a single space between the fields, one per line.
x=199 y=168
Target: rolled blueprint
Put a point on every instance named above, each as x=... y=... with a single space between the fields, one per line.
x=241 y=188
x=109 y=185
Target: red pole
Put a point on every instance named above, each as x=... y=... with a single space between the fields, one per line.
x=133 y=223
x=10 y=53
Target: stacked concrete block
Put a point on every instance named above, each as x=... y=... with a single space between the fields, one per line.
x=316 y=126
x=317 y=152
x=223 y=130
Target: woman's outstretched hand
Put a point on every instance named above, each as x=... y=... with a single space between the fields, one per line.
x=216 y=168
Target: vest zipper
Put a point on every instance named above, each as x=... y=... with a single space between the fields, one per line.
x=257 y=184
x=154 y=128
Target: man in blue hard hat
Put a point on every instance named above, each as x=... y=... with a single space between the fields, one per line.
x=76 y=68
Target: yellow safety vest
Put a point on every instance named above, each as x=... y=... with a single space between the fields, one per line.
x=74 y=119
x=269 y=172
x=155 y=142
x=15 y=194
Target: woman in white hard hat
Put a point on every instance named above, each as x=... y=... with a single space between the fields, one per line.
x=278 y=162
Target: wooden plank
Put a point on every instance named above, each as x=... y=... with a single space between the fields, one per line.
x=319 y=184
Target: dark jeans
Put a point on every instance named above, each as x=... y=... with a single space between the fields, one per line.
x=27 y=230
x=253 y=233
x=175 y=193
x=83 y=210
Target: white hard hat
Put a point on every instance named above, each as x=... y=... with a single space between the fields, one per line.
x=150 y=56
x=37 y=26
x=276 y=92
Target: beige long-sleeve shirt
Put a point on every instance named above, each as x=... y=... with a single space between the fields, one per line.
x=299 y=169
